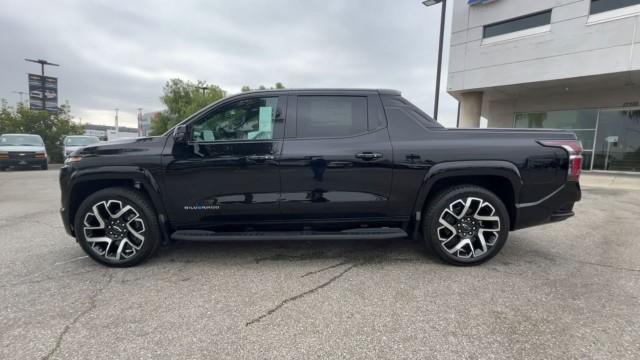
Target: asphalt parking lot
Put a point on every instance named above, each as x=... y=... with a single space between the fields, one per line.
x=565 y=290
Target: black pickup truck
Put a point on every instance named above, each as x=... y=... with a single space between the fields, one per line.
x=318 y=164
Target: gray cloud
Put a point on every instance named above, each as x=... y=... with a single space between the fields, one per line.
x=120 y=53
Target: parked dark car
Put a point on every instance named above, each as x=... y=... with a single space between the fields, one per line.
x=318 y=164
x=22 y=151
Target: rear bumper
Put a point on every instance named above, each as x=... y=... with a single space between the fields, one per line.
x=23 y=163
x=557 y=206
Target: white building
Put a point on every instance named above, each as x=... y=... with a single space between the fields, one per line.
x=571 y=64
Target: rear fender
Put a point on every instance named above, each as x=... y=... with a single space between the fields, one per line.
x=457 y=169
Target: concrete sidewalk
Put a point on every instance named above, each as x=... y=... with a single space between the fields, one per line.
x=611 y=181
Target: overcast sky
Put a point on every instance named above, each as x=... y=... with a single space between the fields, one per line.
x=118 y=54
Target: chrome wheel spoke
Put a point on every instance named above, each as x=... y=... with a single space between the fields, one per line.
x=470 y=227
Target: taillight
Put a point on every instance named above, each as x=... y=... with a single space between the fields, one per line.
x=574 y=148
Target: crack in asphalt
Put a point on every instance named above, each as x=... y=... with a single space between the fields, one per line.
x=65 y=330
x=324 y=269
x=300 y=296
x=598 y=264
x=27 y=280
x=285 y=257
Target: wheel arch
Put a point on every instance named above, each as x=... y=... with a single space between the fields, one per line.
x=501 y=177
x=85 y=183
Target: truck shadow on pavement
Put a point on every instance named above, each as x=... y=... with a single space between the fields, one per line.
x=347 y=251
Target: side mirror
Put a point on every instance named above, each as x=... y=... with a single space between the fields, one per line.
x=181 y=134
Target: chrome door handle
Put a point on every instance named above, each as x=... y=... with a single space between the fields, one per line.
x=261 y=157
x=369 y=156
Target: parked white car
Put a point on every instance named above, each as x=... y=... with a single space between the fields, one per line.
x=22 y=151
x=75 y=142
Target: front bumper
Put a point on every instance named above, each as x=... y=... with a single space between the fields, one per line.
x=64 y=179
x=557 y=207
x=23 y=163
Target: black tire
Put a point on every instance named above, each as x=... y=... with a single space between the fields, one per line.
x=140 y=206
x=44 y=167
x=451 y=203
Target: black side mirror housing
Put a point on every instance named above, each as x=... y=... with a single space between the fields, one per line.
x=180 y=134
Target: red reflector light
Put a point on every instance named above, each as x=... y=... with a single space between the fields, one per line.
x=574 y=149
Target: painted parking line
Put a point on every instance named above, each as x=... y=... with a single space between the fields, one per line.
x=71 y=260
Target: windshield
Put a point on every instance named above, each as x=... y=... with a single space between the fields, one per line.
x=20 y=140
x=80 y=140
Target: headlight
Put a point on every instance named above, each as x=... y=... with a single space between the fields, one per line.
x=4 y=155
x=72 y=159
x=41 y=155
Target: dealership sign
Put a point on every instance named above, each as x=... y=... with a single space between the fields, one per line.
x=43 y=93
x=479 y=2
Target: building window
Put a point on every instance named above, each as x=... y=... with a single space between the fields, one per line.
x=521 y=26
x=610 y=138
x=617 y=143
x=600 y=6
x=582 y=122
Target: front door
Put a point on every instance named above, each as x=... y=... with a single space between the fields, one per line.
x=227 y=173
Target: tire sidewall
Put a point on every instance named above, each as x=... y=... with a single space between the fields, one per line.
x=140 y=204
x=442 y=201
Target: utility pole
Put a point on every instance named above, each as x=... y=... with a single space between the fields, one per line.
x=117 y=122
x=42 y=64
x=140 y=122
x=21 y=95
x=203 y=88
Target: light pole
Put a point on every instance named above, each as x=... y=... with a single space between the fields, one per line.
x=21 y=93
x=117 y=122
x=42 y=64
x=442 y=20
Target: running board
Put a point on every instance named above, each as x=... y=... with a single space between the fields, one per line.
x=352 y=234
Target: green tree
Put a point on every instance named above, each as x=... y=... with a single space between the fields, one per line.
x=277 y=86
x=52 y=128
x=183 y=98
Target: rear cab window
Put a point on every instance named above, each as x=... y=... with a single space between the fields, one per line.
x=400 y=108
x=320 y=116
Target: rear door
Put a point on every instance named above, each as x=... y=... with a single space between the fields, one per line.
x=336 y=161
x=227 y=173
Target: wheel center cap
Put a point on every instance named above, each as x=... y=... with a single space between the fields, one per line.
x=116 y=230
x=467 y=227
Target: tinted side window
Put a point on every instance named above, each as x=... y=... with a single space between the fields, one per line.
x=249 y=119
x=331 y=116
x=517 y=24
x=598 y=6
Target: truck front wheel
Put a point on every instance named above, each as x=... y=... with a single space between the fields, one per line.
x=117 y=227
x=466 y=225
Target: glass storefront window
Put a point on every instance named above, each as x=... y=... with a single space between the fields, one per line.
x=618 y=141
x=581 y=122
x=570 y=120
x=610 y=138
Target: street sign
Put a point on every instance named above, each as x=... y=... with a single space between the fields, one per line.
x=47 y=90
x=612 y=139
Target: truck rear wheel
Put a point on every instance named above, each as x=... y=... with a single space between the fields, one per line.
x=466 y=225
x=117 y=227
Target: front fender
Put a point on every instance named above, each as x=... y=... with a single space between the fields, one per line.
x=71 y=180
